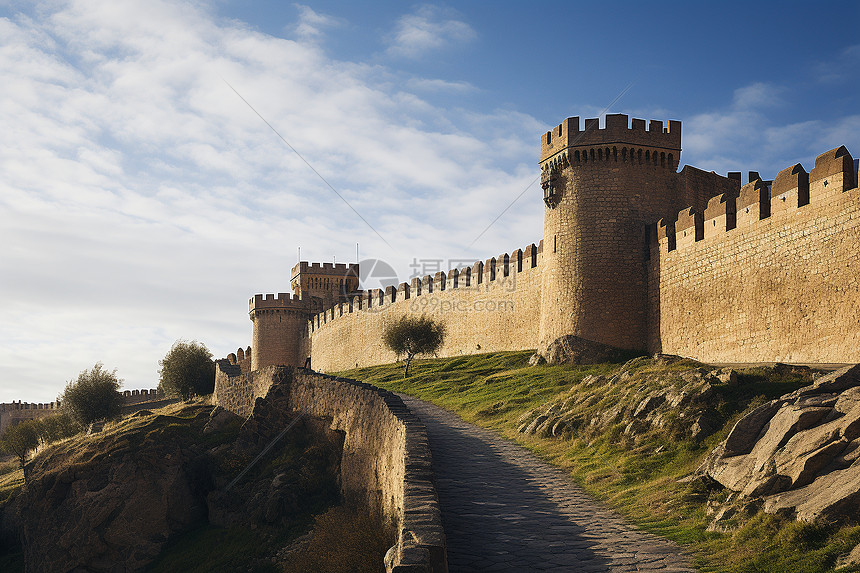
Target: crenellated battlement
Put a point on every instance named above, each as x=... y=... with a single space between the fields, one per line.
x=331 y=269
x=615 y=133
x=495 y=269
x=19 y=405
x=759 y=200
x=639 y=255
x=270 y=301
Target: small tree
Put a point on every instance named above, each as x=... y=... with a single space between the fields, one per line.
x=412 y=335
x=20 y=440
x=187 y=369
x=93 y=396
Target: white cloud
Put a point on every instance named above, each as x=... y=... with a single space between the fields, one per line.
x=439 y=85
x=311 y=24
x=143 y=201
x=428 y=29
x=841 y=69
x=744 y=136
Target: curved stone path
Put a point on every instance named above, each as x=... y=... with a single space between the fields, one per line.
x=504 y=509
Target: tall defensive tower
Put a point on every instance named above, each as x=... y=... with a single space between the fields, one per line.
x=601 y=187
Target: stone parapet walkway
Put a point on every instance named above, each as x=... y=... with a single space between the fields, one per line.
x=504 y=509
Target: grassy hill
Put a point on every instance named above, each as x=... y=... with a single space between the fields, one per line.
x=627 y=433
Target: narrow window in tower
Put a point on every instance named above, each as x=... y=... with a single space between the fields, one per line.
x=554 y=243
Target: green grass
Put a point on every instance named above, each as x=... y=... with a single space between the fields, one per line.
x=640 y=478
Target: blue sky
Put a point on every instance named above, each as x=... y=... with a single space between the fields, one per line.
x=142 y=201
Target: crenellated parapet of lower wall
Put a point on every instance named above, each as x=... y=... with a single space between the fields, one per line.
x=386 y=463
x=489 y=307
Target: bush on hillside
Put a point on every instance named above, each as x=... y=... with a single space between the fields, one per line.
x=93 y=396
x=57 y=427
x=187 y=370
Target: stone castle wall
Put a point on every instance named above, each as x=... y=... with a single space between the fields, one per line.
x=501 y=312
x=386 y=463
x=14 y=412
x=619 y=265
x=766 y=274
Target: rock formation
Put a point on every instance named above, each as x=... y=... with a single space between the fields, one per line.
x=113 y=502
x=643 y=396
x=798 y=455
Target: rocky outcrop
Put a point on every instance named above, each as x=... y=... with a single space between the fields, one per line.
x=669 y=395
x=798 y=454
x=570 y=349
x=111 y=502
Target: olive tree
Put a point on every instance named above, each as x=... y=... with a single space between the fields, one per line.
x=411 y=335
x=187 y=370
x=19 y=440
x=93 y=396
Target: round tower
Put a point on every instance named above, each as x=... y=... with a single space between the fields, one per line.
x=601 y=187
x=280 y=324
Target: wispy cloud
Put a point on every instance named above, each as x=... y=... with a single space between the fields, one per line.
x=311 y=24
x=747 y=135
x=438 y=85
x=144 y=202
x=842 y=68
x=426 y=30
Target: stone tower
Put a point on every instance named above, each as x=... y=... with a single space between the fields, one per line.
x=324 y=284
x=602 y=186
x=279 y=331
x=280 y=324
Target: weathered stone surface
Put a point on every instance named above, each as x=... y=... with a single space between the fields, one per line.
x=571 y=349
x=746 y=432
x=114 y=506
x=648 y=397
x=799 y=452
x=835 y=495
x=218 y=419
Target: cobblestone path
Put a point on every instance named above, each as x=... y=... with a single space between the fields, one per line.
x=504 y=509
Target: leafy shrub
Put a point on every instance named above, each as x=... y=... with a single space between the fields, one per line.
x=187 y=370
x=93 y=396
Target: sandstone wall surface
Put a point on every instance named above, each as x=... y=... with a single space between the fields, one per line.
x=782 y=287
x=500 y=313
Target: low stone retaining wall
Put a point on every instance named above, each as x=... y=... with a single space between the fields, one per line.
x=386 y=462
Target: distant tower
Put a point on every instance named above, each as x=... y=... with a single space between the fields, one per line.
x=324 y=284
x=280 y=324
x=601 y=188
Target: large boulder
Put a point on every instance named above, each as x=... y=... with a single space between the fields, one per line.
x=571 y=349
x=800 y=453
